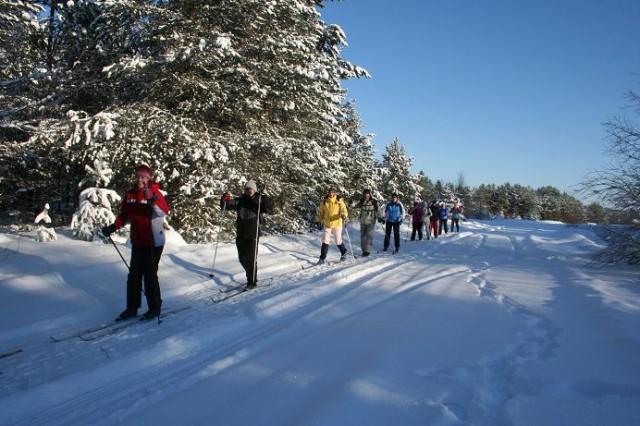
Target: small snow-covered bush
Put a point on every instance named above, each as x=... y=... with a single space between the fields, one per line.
x=44 y=234
x=94 y=212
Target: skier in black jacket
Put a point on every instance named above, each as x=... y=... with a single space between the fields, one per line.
x=247 y=233
x=433 y=219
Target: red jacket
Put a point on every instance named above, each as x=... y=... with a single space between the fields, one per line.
x=137 y=210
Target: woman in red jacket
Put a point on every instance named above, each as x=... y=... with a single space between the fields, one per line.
x=144 y=207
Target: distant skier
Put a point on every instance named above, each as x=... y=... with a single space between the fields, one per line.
x=369 y=214
x=144 y=207
x=393 y=216
x=247 y=206
x=427 y=219
x=443 y=215
x=456 y=213
x=417 y=219
x=332 y=214
x=434 y=210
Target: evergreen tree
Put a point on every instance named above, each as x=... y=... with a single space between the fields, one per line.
x=359 y=165
x=207 y=93
x=595 y=213
x=428 y=192
x=95 y=202
x=397 y=175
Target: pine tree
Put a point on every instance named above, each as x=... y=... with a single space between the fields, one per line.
x=595 y=213
x=428 y=192
x=95 y=202
x=359 y=165
x=397 y=177
x=208 y=93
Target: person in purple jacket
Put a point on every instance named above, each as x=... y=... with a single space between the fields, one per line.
x=443 y=215
x=417 y=219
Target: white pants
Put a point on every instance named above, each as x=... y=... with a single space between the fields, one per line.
x=326 y=235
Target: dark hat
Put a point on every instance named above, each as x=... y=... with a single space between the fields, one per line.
x=395 y=194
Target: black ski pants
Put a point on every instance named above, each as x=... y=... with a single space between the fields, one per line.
x=247 y=255
x=417 y=227
x=396 y=234
x=443 y=224
x=144 y=264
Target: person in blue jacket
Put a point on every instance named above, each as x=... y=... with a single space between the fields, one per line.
x=393 y=215
x=443 y=214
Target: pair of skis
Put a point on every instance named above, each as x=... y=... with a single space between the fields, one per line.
x=111 y=327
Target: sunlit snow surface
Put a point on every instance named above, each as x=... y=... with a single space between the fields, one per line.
x=507 y=322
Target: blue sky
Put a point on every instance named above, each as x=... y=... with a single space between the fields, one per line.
x=503 y=90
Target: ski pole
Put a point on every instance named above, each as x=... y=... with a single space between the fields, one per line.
x=255 y=253
x=215 y=254
x=118 y=250
x=349 y=240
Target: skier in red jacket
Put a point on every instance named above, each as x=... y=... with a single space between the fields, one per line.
x=144 y=207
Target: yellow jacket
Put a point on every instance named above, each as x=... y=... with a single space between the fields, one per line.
x=332 y=212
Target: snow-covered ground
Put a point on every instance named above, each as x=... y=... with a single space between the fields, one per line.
x=507 y=322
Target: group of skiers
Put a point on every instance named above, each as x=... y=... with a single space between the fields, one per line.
x=333 y=215
x=393 y=214
x=144 y=207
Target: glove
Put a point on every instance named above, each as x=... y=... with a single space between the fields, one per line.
x=108 y=230
x=225 y=199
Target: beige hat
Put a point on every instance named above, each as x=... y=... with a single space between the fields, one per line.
x=251 y=184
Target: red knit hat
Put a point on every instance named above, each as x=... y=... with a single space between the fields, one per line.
x=143 y=168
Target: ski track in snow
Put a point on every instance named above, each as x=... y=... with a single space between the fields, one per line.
x=538 y=275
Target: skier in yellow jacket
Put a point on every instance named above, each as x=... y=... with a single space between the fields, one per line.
x=332 y=215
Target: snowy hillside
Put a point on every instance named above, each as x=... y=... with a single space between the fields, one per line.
x=507 y=322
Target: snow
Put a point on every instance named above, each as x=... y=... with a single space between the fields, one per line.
x=507 y=322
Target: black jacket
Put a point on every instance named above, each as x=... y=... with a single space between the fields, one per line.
x=435 y=211
x=247 y=208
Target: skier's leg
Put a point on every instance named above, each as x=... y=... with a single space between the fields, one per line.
x=387 y=235
x=134 y=280
x=369 y=231
x=396 y=235
x=419 y=224
x=252 y=265
x=339 y=243
x=151 y=285
x=338 y=234
x=326 y=240
x=243 y=254
x=324 y=249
